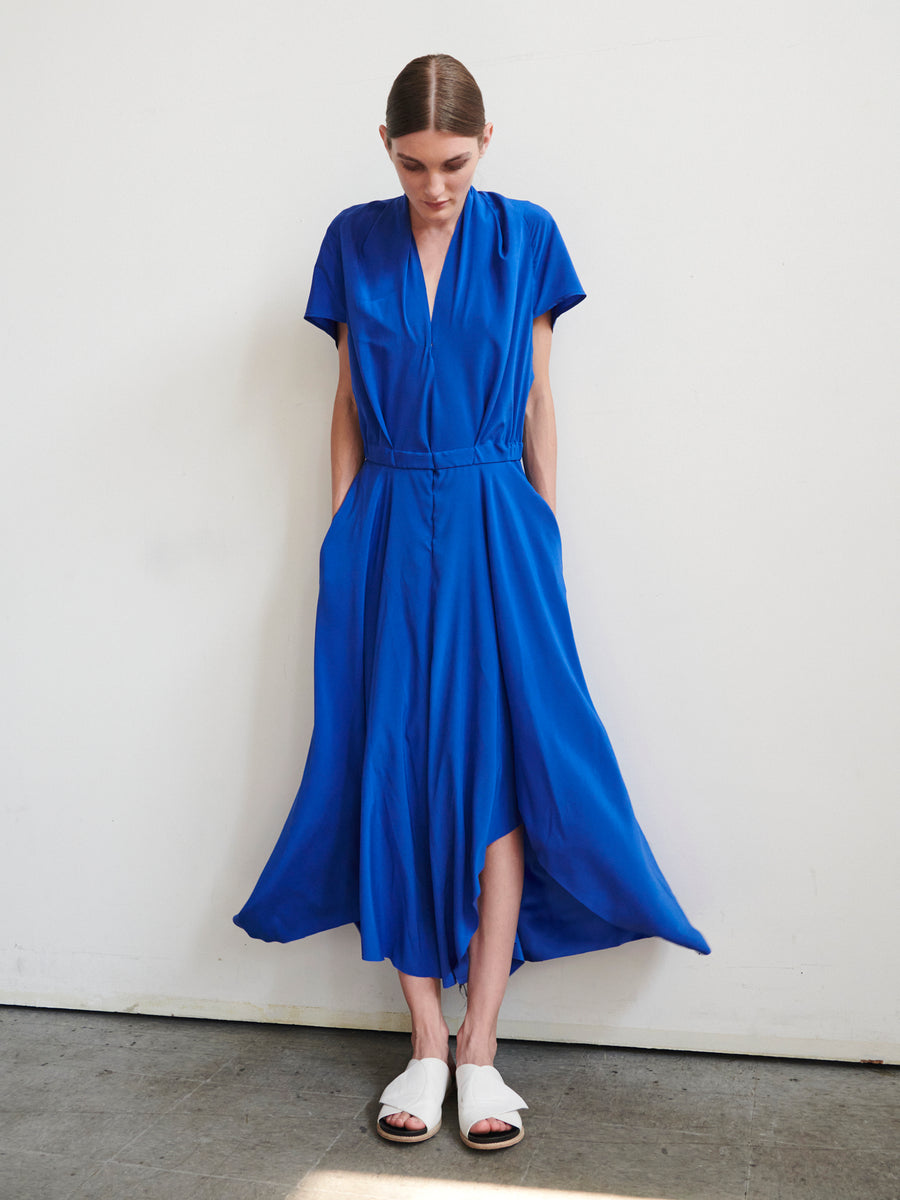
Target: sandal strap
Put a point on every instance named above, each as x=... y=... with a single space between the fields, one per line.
x=419 y=1090
x=482 y=1094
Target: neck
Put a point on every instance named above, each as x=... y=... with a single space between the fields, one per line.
x=439 y=229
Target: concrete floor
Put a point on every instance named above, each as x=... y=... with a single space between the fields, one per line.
x=96 y=1106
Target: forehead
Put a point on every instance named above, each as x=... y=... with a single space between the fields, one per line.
x=432 y=147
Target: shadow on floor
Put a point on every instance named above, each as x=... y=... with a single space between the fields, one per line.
x=97 y=1106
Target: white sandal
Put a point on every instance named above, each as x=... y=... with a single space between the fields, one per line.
x=482 y=1094
x=419 y=1091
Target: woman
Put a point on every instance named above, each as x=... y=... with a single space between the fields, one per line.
x=460 y=802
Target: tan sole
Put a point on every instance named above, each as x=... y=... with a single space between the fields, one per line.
x=422 y=1136
x=520 y=1133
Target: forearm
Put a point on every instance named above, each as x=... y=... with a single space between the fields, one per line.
x=346 y=448
x=347 y=451
x=539 y=451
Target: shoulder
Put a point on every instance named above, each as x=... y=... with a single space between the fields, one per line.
x=526 y=237
x=355 y=223
x=525 y=213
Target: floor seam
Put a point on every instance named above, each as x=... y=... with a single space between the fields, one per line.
x=750 y=1139
x=315 y=1166
x=157 y=1117
x=524 y=1179
x=92 y=1174
x=187 y=1095
x=182 y=1172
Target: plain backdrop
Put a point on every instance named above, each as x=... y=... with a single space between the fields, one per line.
x=726 y=178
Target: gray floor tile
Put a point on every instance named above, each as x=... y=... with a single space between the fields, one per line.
x=176 y=1063
x=853 y=1078
x=69 y=1088
x=84 y=1137
x=253 y=1147
x=701 y=1072
x=85 y=1028
x=655 y=1168
x=96 y=1106
x=234 y=1092
x=116 y=1181
x=444 y=1157
x=29 y=1176
x=684 y=1113
x=353 y=1187
x=542 y=1075
x=795 y=1173
x=121 y=1031
x=328 y=1185
x=837 y=1109
x=333 y=1063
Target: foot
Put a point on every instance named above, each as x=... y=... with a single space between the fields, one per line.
x=411 y=1104
x=480 y=1052
x=424 y=1046
x=488 y=1109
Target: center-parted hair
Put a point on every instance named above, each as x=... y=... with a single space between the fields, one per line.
x=435 y=92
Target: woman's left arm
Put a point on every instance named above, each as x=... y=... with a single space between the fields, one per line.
x=539 y=451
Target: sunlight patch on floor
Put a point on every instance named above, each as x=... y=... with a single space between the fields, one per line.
x=357 y=1185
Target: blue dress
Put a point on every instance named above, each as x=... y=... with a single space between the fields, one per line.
x=450 y=705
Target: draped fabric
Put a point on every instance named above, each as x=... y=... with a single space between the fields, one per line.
x=450 y=705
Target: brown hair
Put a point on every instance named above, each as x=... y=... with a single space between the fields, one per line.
x=435 y=92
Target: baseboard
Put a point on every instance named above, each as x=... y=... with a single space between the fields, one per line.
x=756 y=1044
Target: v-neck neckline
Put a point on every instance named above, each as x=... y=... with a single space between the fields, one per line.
x=430 y=308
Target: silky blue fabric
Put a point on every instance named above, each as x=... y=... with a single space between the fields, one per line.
x=450 y=705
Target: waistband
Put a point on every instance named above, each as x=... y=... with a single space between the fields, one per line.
x=436 y=460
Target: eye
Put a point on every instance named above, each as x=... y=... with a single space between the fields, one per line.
x=412 y=167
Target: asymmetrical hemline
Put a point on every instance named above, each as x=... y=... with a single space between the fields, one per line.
x=450 y=704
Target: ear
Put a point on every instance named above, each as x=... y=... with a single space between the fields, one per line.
x=486 y=137
x=382 y=129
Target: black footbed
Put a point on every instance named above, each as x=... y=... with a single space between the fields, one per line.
x=497 y=1135
x=398 y=1130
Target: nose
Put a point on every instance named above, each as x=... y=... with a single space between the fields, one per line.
x=434 y=186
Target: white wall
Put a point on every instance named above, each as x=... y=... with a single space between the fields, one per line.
x=726 y=177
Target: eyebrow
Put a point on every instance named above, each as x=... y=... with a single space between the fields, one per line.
x=447 y=162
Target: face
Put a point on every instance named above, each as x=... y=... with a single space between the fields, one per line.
x=435 y=170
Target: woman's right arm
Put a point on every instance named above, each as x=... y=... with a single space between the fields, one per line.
x=347 y=452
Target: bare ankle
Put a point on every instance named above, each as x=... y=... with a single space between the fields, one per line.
x=433 y=1042
x=476 y=1047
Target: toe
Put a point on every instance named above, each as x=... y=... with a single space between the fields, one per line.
x=490 y=1125
x=405 y=1120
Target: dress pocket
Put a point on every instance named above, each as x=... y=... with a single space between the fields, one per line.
x=343 y=513
x=540 y=507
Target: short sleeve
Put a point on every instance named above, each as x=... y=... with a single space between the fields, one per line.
x=557 y=287
x=327 y=304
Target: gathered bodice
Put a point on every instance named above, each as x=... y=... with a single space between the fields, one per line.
x=452 y=383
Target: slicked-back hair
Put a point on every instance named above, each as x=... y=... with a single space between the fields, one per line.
x=435 y=92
